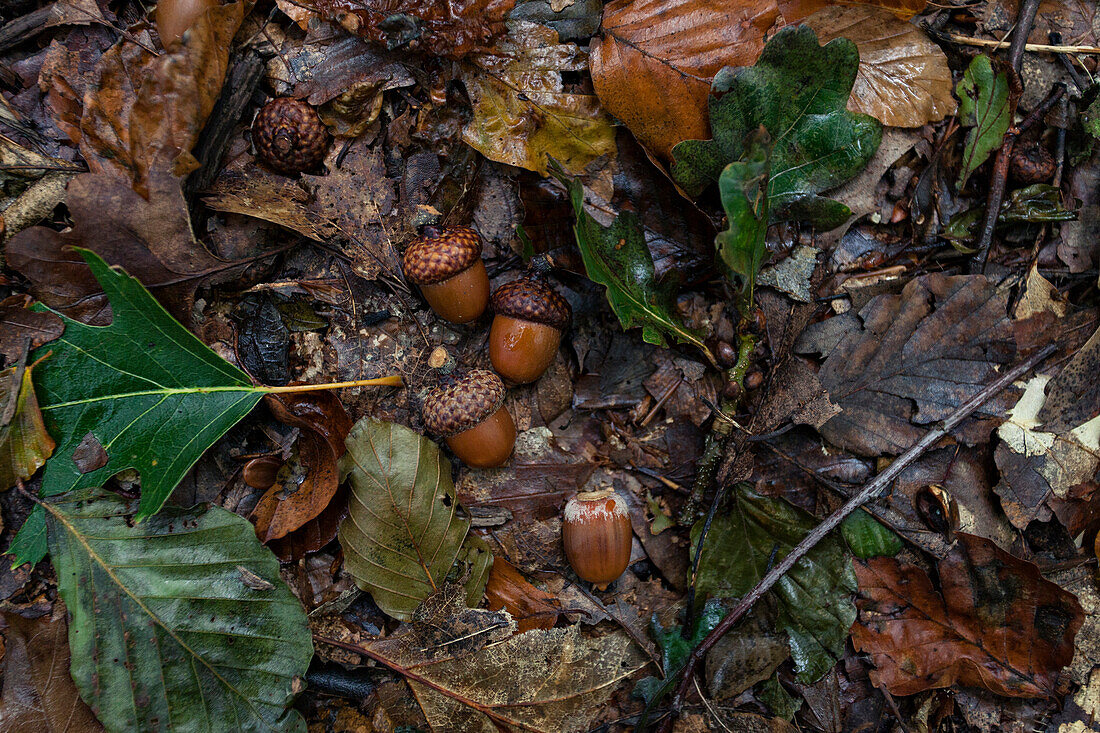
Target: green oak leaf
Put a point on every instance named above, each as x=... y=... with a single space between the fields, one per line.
x=179 y=623
x=814 y=599
x=617 y=257
x=144 y=389
x=984 y=108
x=743 y=186
x=798 y=91
x=403 y=537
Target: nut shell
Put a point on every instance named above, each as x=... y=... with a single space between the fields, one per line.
x=463 y=403
x=433 y=259
x=532 y=299
x=289 y=136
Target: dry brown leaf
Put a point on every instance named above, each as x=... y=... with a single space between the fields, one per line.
x=903 y=78
x=271 y=198
x=22 y=328
x=999 y=624
x=794 y=10
x=543 y=680
x=39 y=695
x=303 y=488
x=531 y=607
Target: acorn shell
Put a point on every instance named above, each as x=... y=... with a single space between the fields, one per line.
x=463 y=402
x=433 y=259
x=532 y=299
x=289 y=136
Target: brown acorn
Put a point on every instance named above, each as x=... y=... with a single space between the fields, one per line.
x=1032 y=163
x=468 y=412
x=530 y=318
x=175 y=17
x=289 y=136
x=447 y=266
x=596 y=536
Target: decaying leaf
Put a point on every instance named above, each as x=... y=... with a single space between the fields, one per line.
x=24 y=443
x=531 y=607
x=798 y=91
x=903 y=78
x=481 y=676
x=22 y=329
x=1051 y=440
x=523 y=116
x=998 y=623
x=910 y=359
x=193 y=642
x=814 y=598
x=984 y=108
x=303 y=487
x=39 y=695
x=403 y=535
x=270 y=198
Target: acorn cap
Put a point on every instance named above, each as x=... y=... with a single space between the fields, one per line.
x=433 y=259
x=532 y=299
x=463 y=403
x=289 y=135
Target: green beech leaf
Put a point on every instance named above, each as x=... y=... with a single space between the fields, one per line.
x=178 y=623
x=403 y=537
x=984 y=108
x=868 y=537
x=743 y=186
x=814 y=600
x=144 y=389
x=798 y=90
x=617 y=257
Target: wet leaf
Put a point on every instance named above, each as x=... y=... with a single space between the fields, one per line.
x=868 y=537
x=998 y=623
x=403 y=534
x=743 y=186
x=797 y=91
x=24 y=443
x=552 y=681
x=616 y=257
x=200 y=645
x=138 y=376
x=909 y=360
x=303 y=487
x=676 y=647
x=1037 y=203
x=39 y=695
x=522 y=111
x=984 y=108
x=748 y=654
x=531 y=607
x=151 y=238
x=813 y=599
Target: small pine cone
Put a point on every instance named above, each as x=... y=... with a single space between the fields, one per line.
x=1031 y=163
x=289 y=136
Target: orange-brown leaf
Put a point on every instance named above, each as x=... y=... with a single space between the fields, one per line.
x=530 y=607
x=999 y=624
x=302 y=489
x=795 y=10
x=24 y=443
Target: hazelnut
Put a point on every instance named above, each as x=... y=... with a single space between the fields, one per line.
x=260 y=473
x=468 y=412
x=175 y=17
x=289 y=136
x=596 y=536
x=527 y=328
x=448 y=268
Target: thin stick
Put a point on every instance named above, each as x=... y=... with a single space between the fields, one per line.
x=818 y=533
x=1024 y=22
x=1034 y=47
x=391 y=381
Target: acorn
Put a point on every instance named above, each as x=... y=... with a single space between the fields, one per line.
x=596 y=535
x=468 y=412
x=289 y=136
x=175 y=17
x=530 y=319
x=447 y=266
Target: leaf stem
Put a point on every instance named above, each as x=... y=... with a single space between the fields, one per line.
x=394 y=380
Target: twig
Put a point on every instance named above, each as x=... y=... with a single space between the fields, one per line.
x=869 y=491
x=1033 y=47
x=1024 y=22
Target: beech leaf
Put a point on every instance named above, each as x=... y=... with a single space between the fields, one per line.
x=403 y=536
x=24 y=443
x=152 y=394
x=522 y=113
x=984 y=108
x=616 y=257
x=187 y=644
x=999 y=624
x=798 y=91
x=814 y=599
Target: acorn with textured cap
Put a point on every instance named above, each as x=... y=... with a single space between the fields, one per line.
x=289 y=135
x=596 y=536
x=468 y=412
x=530 y=319
x=446 y=264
